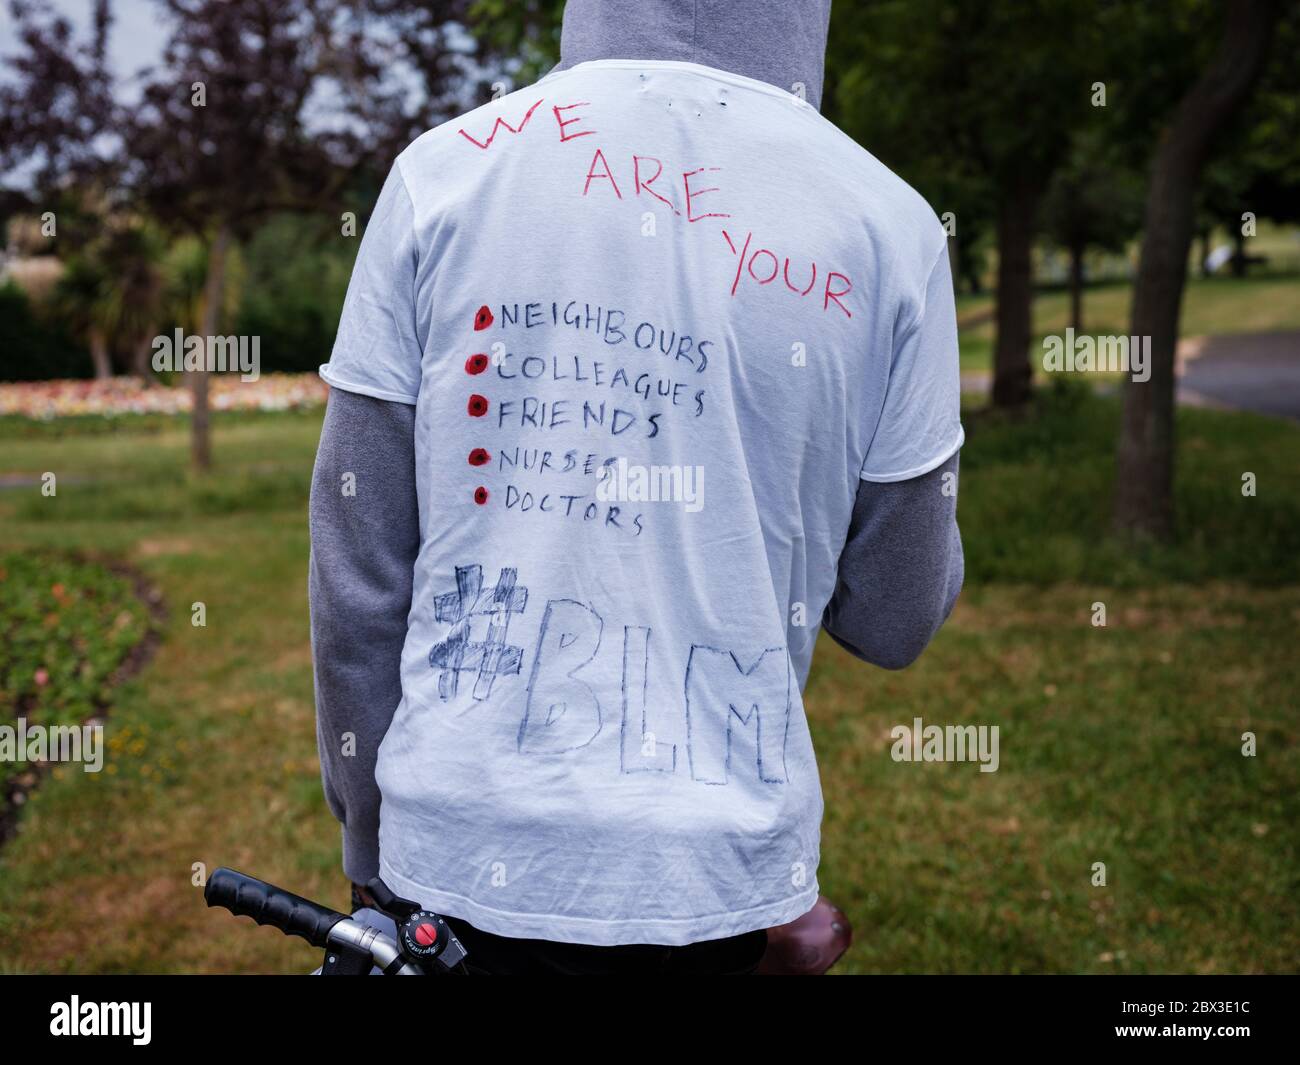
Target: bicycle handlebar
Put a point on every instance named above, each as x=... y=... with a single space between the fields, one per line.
x=246 y=896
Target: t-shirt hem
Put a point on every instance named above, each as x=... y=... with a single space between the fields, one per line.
x=943 y=456
x=600 y=932
x=334 y=381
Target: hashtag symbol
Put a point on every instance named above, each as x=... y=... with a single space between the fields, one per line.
x=488 y=658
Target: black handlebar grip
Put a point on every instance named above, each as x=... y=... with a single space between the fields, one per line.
x=246 y=896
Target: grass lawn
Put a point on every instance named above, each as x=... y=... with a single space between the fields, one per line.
x=67 y=626
x=1211 y=306
x=1119 y=744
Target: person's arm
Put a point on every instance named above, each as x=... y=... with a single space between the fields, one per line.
x=901 y=566
x=900 y=570
x=362 y=565
x=365 y=527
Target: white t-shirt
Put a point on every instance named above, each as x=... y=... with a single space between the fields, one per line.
x=656 y=320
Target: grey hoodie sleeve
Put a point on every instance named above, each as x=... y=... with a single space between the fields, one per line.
x=363 y=550
x=900 y=570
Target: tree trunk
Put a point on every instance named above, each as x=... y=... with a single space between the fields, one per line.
x=1076 y=288
x=99 y=355
x=1012 y=374
x=1144 y=477
x=1238 y=252
x=140 y=365
x=200 y=430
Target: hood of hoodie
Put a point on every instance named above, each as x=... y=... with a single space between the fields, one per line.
x=781 y=42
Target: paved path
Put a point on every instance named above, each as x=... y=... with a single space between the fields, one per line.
x=1258 y=372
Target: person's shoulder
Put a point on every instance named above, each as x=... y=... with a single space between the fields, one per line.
x=478 y=128
x=882 y=202
x=461 y=146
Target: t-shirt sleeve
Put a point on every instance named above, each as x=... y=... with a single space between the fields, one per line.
x=920 y=424
x=376 y=352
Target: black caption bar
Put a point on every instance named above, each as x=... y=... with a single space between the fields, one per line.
x=375 y=1015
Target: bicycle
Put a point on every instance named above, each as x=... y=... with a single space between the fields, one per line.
x=424 y=945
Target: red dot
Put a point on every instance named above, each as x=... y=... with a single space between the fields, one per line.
x=479 y=457
x=480 y=495
x=478 y=405
x=426 y=934
x=476 y=363
x=483 y=318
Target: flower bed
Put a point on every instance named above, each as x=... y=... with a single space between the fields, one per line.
x=46 y=400
x=68 y=630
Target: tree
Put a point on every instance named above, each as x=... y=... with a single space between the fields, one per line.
x=132 y=252
x=1094 y=201
x=525 y=33
x=430 y=44
x=1256 y=169
x=57 y=101
x=218 y=139
x=81 y=297
x=258 y=106
x=224 y=136
x=988 y=94
x=54 y=108
x=225 y=133
x=1144 y=481
x=112 y=292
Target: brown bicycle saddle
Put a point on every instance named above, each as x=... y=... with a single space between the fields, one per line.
x=808 y=945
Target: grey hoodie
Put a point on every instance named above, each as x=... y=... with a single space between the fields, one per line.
x=782 y=42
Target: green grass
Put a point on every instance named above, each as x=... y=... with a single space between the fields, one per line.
x=1040 y=489
x=1119 y=744
x=66 y=625
x=1211 y=306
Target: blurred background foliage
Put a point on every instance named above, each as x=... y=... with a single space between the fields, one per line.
x=1016 y=131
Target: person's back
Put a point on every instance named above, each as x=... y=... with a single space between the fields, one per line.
x=658 y=321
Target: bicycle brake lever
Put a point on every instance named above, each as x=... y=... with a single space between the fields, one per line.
x=398 y=908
